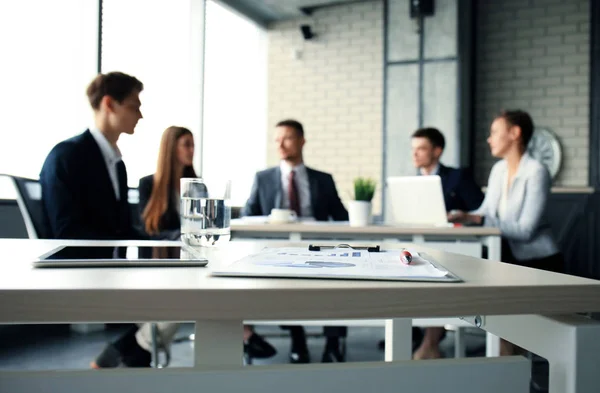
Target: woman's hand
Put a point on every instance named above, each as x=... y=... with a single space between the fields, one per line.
x=462 y=217
x=456 y=216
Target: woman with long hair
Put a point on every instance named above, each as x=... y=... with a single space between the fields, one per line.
x=159 y=193
x=159 y=210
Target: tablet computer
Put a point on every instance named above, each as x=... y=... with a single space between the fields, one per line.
x=128 y=256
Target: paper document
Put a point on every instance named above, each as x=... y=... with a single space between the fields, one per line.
x=341 y=263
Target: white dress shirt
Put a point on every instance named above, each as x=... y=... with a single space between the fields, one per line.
x=111 y=155
x=503 y=198
x=302 y=185
x=433 y=172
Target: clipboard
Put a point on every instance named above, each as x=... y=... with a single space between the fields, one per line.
x=341 y=262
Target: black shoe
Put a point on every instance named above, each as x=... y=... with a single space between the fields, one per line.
x=258 y=348
x=110 y=357
x=137 y=357
x=332 y=356
x=124 y=352
x=299 y=357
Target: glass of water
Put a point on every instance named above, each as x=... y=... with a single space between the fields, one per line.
x=205 y=212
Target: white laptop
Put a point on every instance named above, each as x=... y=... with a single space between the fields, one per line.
x=415 y=201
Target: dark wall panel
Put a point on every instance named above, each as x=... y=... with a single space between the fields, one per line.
x=574 y=220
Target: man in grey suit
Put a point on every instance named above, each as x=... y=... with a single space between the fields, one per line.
x=309 y=193
x=292 y=185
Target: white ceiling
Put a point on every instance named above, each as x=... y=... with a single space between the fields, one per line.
x=292 y=8
x=267 y=11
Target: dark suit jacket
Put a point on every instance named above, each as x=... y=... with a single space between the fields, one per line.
x=78 y=196
x=267 y=194
x=460 y=190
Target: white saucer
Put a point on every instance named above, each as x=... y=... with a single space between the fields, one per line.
x=271 y=221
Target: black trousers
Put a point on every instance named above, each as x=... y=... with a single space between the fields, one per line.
x=553 y=263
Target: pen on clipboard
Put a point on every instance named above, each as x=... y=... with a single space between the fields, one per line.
x=313 y=247
x=406 y=257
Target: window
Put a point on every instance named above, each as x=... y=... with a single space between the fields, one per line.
x=55 y=57
x=49 y=56
x=152 y=41
x=235 y=100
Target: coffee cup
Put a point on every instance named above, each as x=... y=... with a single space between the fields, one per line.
x=282 y=216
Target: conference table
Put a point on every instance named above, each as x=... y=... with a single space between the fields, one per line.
x=461 y=236
x=468 y=240
x=533 y=309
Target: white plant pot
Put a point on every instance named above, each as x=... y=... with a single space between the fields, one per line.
x=359 y=213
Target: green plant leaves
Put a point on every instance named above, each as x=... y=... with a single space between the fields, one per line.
x=364 y=189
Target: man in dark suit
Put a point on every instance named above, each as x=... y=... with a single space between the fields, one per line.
x=84 y=180
x=84 y=188
x=460 y=190
x=460 y=193
x=309 y=193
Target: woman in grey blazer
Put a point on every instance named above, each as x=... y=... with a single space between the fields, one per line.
x=516 y=199
x=517 y=196
x=515 y=202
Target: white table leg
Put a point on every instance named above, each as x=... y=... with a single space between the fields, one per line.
x=295 y=236
x=492 y=345
x=398 y=339
x=460 y=350
x=218 y=343
x=494 y=245
x=418 y=239
x=570 y=344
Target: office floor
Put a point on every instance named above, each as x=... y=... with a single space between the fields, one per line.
x=42 y=347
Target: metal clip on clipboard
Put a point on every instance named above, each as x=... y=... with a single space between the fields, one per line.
x=312 y=247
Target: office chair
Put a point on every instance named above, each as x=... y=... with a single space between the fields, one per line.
x=29 y=200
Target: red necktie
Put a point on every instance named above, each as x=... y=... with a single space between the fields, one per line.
x=293 y=194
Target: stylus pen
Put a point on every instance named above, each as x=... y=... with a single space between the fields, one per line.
x=406 y=257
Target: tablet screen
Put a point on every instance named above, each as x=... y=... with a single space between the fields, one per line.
x=120 y=256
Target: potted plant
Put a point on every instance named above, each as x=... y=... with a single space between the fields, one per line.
x=359 y=209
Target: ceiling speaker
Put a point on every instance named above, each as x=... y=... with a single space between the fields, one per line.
x=307 y=32
x=420 y=8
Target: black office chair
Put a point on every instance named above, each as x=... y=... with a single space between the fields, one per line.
x=29 y=200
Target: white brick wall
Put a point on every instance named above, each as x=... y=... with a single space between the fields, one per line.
x=534 y=55
x=335 y=90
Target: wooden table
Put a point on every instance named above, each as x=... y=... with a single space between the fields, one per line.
x=509 y=300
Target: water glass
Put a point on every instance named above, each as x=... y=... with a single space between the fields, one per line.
x=205 y=212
